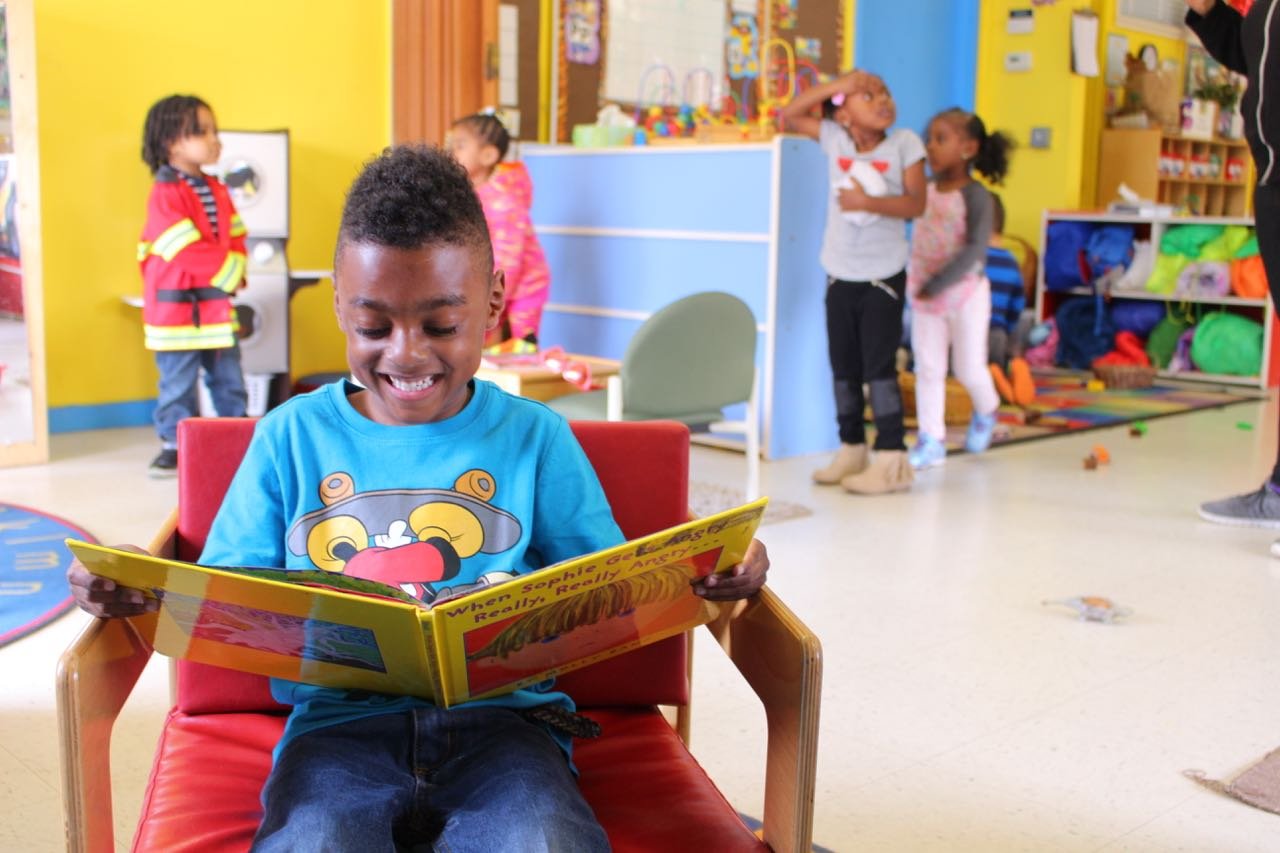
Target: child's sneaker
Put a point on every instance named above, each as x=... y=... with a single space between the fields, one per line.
x=981 y=428
x=165 y=464
x=1255 y=509
x=928 y=453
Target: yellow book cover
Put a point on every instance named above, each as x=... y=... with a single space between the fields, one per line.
x=324 y=628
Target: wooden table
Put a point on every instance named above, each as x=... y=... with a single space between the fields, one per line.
x=539 y=382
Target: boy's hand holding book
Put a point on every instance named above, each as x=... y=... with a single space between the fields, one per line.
x=742 y=581
x=101 y=596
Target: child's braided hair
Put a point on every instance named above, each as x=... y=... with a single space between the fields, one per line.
x=489 y=129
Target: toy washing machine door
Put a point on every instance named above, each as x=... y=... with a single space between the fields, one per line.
x=262 y=309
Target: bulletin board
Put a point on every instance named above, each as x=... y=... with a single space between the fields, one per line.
x=684 y=36
x=666 y=51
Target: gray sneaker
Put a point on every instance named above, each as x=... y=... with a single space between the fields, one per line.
x=1256 y=509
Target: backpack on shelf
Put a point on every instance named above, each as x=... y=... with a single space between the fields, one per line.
x=1204 y=278
x=1085 y=332
x=1228 y=344
x=1249 y=278
x=1065 y=243
x=1139 y=269
x=1139 y=316
x=1162 y=343
x=1248 y=275
x=1109 y=247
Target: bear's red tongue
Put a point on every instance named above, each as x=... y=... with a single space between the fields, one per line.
x=419 y=562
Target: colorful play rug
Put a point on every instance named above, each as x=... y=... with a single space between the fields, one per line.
x=33 y=569
x=1064 y=404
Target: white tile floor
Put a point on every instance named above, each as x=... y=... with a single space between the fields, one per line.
x=959 y=713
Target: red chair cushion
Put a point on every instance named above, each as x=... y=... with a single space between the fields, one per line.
x=646 y=789
x=649 y=793
x=203 y=792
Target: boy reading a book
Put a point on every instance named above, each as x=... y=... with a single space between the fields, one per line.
x=458 y=484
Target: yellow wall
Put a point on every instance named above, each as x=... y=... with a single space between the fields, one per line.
x=320 y=68
x=1168 y=48
x=1072 y=107
x=1046 y=96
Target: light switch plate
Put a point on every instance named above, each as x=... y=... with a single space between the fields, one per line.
x=1040 y=137
x=1017 y=60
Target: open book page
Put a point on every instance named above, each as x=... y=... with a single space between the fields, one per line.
x=584 y=610
x=262 y=621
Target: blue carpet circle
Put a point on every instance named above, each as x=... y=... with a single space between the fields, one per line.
x=33 y=569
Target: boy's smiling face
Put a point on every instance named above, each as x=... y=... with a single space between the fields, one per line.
x=415 y=321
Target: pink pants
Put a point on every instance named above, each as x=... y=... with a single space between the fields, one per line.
x=963 y=329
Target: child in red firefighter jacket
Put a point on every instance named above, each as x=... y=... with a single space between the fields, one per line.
x=192 y=254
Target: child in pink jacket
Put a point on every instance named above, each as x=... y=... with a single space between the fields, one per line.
x=479 y=142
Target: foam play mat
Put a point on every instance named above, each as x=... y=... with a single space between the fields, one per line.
x=1064 y=404
x=33 y=568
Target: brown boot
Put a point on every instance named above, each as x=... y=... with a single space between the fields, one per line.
x=889 y=471
x=849 y=459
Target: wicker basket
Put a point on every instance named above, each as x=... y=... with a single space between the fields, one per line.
x=1125 y=376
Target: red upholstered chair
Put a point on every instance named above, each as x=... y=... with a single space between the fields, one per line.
x=646 y=788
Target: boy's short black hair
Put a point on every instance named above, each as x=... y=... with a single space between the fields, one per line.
x=997 y=214
x=489 y=129
x=168 y=120
x=411 y=196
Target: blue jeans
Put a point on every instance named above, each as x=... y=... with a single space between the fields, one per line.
x=482 y=779
x=179 y=398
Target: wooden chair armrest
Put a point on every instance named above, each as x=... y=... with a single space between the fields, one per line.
x=95 y=676
x=781 y=660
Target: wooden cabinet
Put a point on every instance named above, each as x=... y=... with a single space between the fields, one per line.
x=1212 y=178
x=1153 y=229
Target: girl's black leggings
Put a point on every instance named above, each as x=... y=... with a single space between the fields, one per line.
x=864 y=329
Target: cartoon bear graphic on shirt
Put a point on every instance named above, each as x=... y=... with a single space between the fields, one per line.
x=415 y=539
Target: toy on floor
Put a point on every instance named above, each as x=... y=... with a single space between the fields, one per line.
x=1093 y=608
x=1099 y=456
x=1138 y=429
x=1244 y=425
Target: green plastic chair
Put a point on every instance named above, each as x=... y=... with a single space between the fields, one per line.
x=685 y=363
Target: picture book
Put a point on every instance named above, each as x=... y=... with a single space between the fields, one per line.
x=327 y=628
